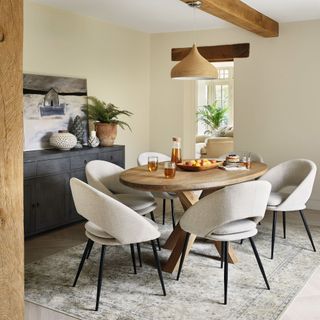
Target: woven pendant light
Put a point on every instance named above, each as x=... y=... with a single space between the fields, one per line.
x=194 y=67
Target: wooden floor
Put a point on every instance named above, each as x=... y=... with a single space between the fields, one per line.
x=306 y=305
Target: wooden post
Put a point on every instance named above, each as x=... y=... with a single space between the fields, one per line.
x=11 y=160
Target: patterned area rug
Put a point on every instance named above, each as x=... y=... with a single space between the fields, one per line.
x=198 y=294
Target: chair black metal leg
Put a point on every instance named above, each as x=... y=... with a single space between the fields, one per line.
x=133 y=258
x=225 y=255
x=185 y=245
x=241 y=241
x=163 y=211
x=222 y=255
x=156 y=258
x=307 y=229
x=255 y=251
x=172 y=214
x=152 y=216
x=89 y=250
x=158 y=243
x=103 y=249
x=274 y=226
x=284 y=224
x=84 y=255
x=139 y=254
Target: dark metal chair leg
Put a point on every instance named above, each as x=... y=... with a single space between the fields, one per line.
x=274 y=226
x=222 y=255
x=83 y=258
x=89 y=250
x=255 y=251
x=172 y=214
x=225 y=255
x=307 y=229
x=241 y=241
x=139 y=254
x=133 y=258
x=103 y=249
x=156 y=258
x=152 y=216
x=284 y=224
x=163 y=211
x=158 y=243
x=185 y=245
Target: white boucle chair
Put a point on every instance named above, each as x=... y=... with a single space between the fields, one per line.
x=110 y=223
x=143 y=160
x=298 y=176
x=104 y=176
x=226 y=215
x=255 y=157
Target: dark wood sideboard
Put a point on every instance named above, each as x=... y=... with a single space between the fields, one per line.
x=48 y=201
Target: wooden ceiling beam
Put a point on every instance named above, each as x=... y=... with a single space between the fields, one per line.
x=215 y=53
x=242 y=15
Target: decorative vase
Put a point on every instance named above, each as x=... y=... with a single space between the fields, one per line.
x=63 y=140
x=93 y=140
x=107 y=133
x=78 y=130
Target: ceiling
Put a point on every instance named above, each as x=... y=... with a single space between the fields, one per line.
x=155 y=16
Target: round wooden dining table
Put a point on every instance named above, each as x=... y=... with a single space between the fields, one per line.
x=184 y=184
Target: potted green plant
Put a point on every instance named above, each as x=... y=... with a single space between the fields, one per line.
x=105 y=116
x=212 y=116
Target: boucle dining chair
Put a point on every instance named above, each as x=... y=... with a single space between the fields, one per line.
x=255 y=157
x=143 y=160
x=104 y=176
x=110 y=223
x=292 y=182
x=226 y=215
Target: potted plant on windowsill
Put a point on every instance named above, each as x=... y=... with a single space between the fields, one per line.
x=106 y=119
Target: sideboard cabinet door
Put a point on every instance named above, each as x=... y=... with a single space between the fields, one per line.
x=51 y=201
x=29 y=207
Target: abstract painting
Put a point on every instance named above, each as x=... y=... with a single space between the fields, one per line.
x=50 y=104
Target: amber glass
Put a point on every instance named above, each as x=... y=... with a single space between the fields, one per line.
x=152 y=163
x=169 y=169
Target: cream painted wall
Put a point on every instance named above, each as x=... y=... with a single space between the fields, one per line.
x=277 y=105
x=115 y=61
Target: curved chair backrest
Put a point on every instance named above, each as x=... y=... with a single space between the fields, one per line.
x=112 y=216
x=237 y=202
x=143 y=157
x=298 y=173
x=255 y=157
x=104 y=176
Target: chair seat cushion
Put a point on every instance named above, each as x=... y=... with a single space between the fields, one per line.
x=276 y=198
x=136 y=202
x=165 y=195
x=96 y=230
x=235 y=227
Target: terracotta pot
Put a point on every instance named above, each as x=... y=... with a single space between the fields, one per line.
x=107 y=133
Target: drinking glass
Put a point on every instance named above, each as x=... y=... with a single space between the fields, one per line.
x=169 y=169
x=152 y=163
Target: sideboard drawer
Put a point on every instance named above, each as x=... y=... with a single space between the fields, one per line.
x=116 y=157
x=45 y=167
x=79 y=162
x=29 y=169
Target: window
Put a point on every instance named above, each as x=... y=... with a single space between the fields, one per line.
x=219 y=90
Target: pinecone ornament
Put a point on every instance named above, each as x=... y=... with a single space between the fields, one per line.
x=78 y=130
x=93 y=140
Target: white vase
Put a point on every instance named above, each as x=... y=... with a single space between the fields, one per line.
x=93 y=140
x=63 y=140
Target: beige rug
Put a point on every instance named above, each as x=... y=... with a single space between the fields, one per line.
x=198 y=294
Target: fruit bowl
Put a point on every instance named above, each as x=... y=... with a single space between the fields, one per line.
x=199 y=164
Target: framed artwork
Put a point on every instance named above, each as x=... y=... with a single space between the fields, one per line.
x=50 y=104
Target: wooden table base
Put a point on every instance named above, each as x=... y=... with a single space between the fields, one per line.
x=177 y=237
